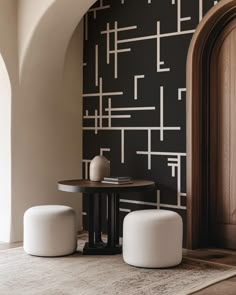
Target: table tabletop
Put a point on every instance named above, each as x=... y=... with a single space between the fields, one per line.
x=86 y=186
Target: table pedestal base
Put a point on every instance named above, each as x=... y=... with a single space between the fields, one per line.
x=102 y=250
x=95 y=245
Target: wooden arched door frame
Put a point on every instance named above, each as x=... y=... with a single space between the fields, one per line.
x=198 y=83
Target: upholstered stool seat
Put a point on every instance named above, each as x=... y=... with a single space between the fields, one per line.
x=152 y=238
x=50 y=230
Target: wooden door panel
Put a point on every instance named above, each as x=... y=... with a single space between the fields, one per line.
x=203 y=78
x=223 y=140
x=225 y=236
x=223 y=128
x=232 y=207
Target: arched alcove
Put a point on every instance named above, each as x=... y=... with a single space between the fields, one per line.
x=46 y=119
x=5 y=153
x=45 y=31
x=210 y=102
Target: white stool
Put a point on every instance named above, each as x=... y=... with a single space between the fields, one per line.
x=152 y=238
x=50 y=230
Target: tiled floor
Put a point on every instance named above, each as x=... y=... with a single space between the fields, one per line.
x=227 y=287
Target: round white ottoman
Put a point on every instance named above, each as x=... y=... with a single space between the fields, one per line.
x=50 y=230
x=152 y=238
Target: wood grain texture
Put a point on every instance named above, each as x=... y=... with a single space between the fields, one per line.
x=202 y=42
x=220 y=129
x=222 y=172
x=222 y=196
x=232 y=115
x=225 y=236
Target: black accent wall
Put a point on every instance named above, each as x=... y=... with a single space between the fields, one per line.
x=134 y=94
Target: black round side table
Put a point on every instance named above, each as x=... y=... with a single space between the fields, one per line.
x=94 y=191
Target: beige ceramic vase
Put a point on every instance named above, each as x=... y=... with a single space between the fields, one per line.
x=99 y=168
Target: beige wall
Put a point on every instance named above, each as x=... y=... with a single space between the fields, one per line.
x=5 y=152
x=47 y=137
x=8 y=91
x=45 y=28
x=30 y=13
x=46 y=120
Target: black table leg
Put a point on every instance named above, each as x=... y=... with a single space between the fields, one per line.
x=112 y=224
x=91 y=221
x=117 y=219
x=98 y=219
x=97 y=247
x=111 y=221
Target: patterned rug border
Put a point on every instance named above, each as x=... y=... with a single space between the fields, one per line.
x=231 y=272
x=184 y=257
x=211 y=262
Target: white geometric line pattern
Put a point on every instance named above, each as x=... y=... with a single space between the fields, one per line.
x=200 y=10
x=100 y=7
x=100 y=94
x=174 y=163
x=123 y=1
x=136 y=77
x=125 y=210
x=180 y=19
x=158 y=37
x=99 y=127
x=157 y=204
x=122 y=146
x=86 y=163
x=137 y=202
x=180 y=91
x=159 y=61
x=96 y=65
x=102 y=150
x=93 y=10
x=116 y=51
x=162 y=113
x=134 y=107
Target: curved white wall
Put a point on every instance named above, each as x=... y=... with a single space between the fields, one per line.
x=30 y=14
x=46 y=102
x=45 y=28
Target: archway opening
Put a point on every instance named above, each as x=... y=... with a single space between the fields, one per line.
x=207 y=120
x=46 y=107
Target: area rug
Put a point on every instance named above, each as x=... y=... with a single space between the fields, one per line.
x=95 y=275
